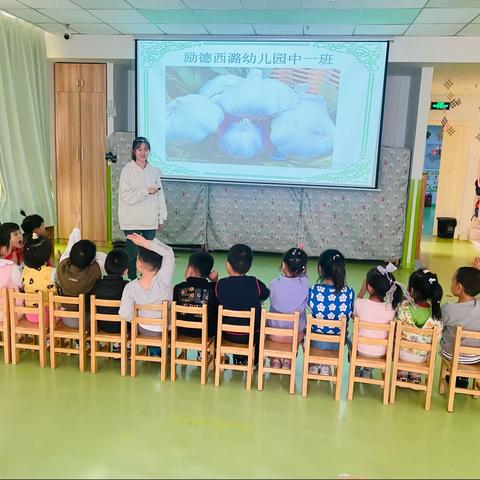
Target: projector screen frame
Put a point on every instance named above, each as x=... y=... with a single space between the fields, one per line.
x=254 y=38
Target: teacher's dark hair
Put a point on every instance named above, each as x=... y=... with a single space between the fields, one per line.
x=136 y=143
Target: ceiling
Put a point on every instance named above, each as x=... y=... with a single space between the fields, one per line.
x=253 y=17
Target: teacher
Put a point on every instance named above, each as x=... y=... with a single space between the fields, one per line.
x=141 y=203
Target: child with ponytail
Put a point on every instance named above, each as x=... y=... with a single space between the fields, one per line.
x=289 y=294
x=421 y=311
x=330 y=299
x=384 y=295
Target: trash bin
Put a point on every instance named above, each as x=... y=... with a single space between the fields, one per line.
x=446 y=227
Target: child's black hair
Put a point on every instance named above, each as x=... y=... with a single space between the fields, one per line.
x=240 y=258
x=469 y=278
x=83 y=253
x=31 y=222
x=295 y=260
x=37 y=251
x=4 y=237
x=201 y=261
x=331 y=266
x=11 y=227
x=423 y=286
x=150 y=258
x=116 y=262
x=381 y=284
x=136 y=143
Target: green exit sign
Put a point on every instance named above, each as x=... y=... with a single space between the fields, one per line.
x=440 y=106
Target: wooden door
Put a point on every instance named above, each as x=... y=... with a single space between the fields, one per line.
x=67 y=77
x=93 y=179
x=67 y=140
x=94 y=78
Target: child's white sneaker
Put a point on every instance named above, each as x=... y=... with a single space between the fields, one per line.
x=313 y=369
x=325 y=370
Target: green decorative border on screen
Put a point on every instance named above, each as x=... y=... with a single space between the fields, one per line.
x=368 y=53
x=155 y=50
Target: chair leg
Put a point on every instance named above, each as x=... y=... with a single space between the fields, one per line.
x=451 y=393
x=93 y=355
x=217 y=367
x=42 y=348
x=6 y=344
x=133 y=360
x=204 y=367
x=351 y=380
x=173 y=364
x=393 y=389
x=249 y=371
x=261 y=366
x=386 y=387
x=163 y=366
x=428 y=392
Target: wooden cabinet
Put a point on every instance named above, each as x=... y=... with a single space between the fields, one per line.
x=80 y=134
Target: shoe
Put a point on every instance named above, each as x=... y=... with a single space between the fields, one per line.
x=275 y=363
x=325 y=370
x=366 y=373
x=358 y=371
x=460 y=382
x=116 y=347
x=313 y=369
x=154 y=351
x=414 y=377
x=287 y=364
x=402 y=376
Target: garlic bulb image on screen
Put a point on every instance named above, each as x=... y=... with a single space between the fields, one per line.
x=289 y=114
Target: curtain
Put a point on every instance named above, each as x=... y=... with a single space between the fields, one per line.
x=25 y=180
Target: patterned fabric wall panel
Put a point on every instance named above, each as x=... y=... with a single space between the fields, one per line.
x=265 y=218
x=361 y=224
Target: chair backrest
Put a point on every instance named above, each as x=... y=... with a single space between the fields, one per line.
x=57 y=308
x=202 y=312
x=291 y=321
x=96 y=316
x=459 y=349
x=227 y=327
x=380 y=327
x=321 y=323
x=18 y=302
x=163 y=321
x=424 y=332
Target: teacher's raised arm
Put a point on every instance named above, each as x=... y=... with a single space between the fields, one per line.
x=141 y=203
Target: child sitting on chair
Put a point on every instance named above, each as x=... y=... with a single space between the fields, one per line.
x=37 y=275
x=239 y=291
x=10 y=272
x=16 y=243
x=111 y=287
x=422 y=310
x=79 y=269
x=155 y=263
x=465 y=313
x=289 y=294
x=384 y=295
x=198 y=289
x=331 y=299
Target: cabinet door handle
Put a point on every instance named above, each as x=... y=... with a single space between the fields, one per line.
x=81 y=154
x=78 y=82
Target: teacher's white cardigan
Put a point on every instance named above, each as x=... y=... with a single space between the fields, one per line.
x=137 y=209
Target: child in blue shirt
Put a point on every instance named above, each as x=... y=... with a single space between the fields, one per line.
x=331 y=299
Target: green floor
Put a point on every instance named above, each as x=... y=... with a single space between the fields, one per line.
x=65 y=424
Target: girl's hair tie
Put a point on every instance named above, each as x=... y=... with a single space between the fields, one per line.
x=35 y=236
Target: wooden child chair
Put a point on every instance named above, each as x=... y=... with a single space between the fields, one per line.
x=270 y=348
x=455 y=369
x=384 y=363
x=4 y=325
x=97 y=335
x=226 y=347
x=426 y=368
x=62 y=338
x=204 y=345
x=334 y=358
x=146 y=341
x=21 y=328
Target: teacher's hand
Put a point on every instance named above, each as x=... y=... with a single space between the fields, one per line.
x=152 y=190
